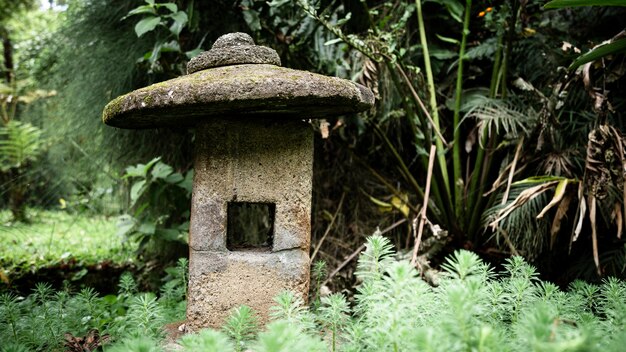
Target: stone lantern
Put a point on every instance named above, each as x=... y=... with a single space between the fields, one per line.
x=251 y=203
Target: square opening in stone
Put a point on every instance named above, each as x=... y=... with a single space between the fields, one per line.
x=250 y=225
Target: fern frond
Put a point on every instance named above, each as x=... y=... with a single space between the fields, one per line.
x=20 y=143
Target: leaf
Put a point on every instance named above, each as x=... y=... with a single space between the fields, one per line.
x=594 y=233
x=442 y=54
x=333 y=41
x=172 y=46
x=193 y=53
x=525 y=196
x=125 y=225
x=600 y=51
x=180 y=21
x=139 y=10
x=170 y=6
x=448 y=40
x=401 y=205
x=146 y=25
x=251 y=17
x=557 y=4
x=619 y=219
x=147 y=228
x=561 y=211
x=136 y=190
x=187 y=184
x=581 y=218
x=454 y=7
x=161 y=170
x=174 y=178
x=169 y=234
x=559 y=192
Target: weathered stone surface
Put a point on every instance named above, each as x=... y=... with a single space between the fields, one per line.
x=233 y=49
x=259 y=90
x=248 y=160
x=254 y=160
x=220 y=281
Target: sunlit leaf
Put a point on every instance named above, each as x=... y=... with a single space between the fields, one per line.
x=180 y=21
x=141 y=10
x=170 y=6
x=136 y=190
x=146 y=25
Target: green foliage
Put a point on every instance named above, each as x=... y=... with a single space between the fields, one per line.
x=167 y=16
x=473 y=309
x=242 y=327
x=20 y=144
x=207 y=341
x=39 y=321
x=9 y=8
x=159 y=199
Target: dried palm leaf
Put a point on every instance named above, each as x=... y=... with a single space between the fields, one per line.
x=594 y=234
x=526 y=195
x=561 y=211
x=559 y=192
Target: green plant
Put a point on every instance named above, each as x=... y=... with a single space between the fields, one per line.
x=167 y=22
x=159 y=201
x=242 y=327
x=207 y=341
x=40 y=321
x=333 y=314
x=318 y=274
x=21 y=145
x=473 y=309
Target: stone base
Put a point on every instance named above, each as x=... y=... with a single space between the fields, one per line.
x=248 y=161
x=222 y=281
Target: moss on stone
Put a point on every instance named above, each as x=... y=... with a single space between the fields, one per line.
x=234 y=90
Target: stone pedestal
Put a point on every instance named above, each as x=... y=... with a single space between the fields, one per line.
x=248 y=161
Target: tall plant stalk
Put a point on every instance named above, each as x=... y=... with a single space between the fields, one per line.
x=432 y=97
x=456 y=148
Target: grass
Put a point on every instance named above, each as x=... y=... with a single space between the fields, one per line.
x=55 y=237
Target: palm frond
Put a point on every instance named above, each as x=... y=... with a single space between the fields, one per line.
x=496 y=116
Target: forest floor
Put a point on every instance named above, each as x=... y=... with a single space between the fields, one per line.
x=59 y=246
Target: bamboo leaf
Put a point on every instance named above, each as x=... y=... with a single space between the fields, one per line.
x=559 y=192
x=614 y=47
x=557 y=4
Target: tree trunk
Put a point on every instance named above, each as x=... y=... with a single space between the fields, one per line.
x=7 y=54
